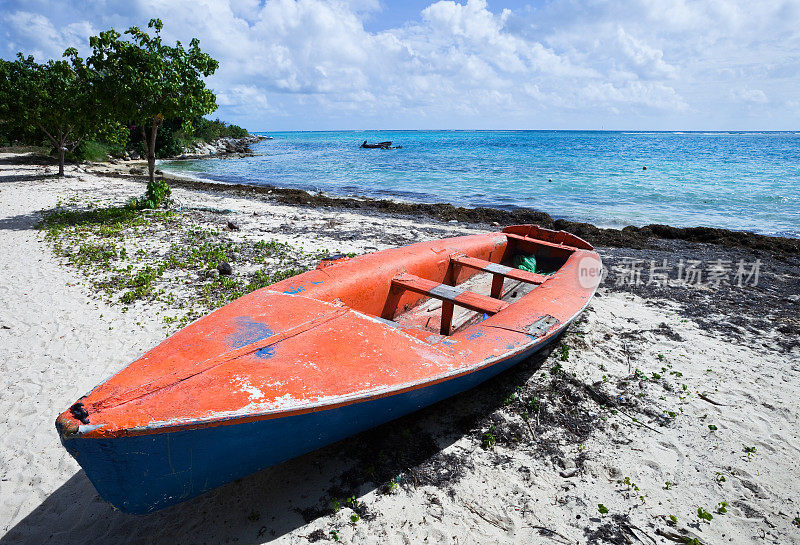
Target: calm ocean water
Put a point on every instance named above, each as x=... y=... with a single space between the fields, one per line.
x=744 y=181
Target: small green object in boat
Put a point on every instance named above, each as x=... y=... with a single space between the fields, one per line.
x=525 y=263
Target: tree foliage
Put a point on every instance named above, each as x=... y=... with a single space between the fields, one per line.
x=55 y=98
x=143 y=81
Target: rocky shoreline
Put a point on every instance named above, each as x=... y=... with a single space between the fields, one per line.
x=238 y=147
x=221 y=147
x=627 y=237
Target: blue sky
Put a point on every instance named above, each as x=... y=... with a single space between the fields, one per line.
x=376 y=64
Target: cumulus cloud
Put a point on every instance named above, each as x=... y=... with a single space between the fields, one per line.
x=314 y=64
x=749 y=95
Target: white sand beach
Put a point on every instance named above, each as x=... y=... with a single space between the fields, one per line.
x=708 y=422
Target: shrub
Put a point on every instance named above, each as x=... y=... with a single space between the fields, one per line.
x=91 y=150
x=156 y=193
x=209 y=131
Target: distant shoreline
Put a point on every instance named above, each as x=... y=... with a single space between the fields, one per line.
x=626 y=237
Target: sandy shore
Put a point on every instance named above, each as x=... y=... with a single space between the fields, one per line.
x=659 y=401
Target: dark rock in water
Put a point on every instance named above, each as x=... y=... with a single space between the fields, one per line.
x=232 y=226
x=644 y=168
x=225 y=268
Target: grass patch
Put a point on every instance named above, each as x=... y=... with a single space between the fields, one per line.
x=163 y=257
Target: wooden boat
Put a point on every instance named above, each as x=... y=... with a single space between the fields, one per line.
x=379 y=145
x=321 y=356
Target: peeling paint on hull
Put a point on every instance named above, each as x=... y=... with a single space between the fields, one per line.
x=318 y=357
x=145 y=473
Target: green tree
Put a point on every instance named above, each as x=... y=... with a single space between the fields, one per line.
x=144 y=81
x=54 y=98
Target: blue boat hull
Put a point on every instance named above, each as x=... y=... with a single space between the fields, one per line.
x=145 y=473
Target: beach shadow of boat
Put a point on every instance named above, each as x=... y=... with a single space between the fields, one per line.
x=281 y=499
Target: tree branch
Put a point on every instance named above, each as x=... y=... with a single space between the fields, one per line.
x=52 y=140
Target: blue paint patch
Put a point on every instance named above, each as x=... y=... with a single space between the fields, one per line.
x=249 y=331
x=292 y=291
x=140 y=474
x=448 y=342
x=317 y=283
x=475 y=334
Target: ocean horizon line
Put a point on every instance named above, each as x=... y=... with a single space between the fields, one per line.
x=633 y=131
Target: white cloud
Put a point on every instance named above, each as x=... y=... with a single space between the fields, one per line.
x=313 y=64
x=749 y=95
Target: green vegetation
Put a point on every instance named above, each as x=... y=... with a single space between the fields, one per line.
x=137 y=252
x=134 y=92
x=179 y=133
x=207 y=131
x=92 y=150
x=488 y=440
x=144 y=81
x=155 y=195
x=630 y=484
x=704 y=515
x=602 y=508
x=52 y=102
x=393 y=485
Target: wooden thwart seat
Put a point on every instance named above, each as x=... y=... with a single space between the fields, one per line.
x=498 y=269
x=449 y=295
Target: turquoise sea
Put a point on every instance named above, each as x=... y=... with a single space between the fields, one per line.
x=735 y=180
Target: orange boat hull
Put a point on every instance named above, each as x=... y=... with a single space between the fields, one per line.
x=321 y=356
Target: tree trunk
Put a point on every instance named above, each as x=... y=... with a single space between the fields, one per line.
x=61 y=161
x=151 y=151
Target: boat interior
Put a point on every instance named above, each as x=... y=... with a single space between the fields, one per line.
x=449 y=289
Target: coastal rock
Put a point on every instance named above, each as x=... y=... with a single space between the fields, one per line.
x=232 y=226
x=221 y=146
x=225 y=269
